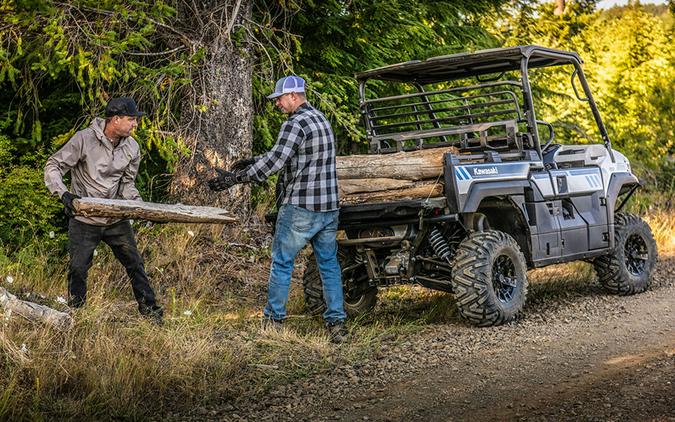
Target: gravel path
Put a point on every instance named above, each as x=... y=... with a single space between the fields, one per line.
x=591 y=356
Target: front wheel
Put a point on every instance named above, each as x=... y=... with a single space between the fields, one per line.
x=627 y=269
x=359 y=296
x=489 y=278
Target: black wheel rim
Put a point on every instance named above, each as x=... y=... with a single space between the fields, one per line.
x=504 y=278
x=636 y=254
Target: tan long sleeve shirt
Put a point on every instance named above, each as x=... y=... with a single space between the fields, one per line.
x=97 y=169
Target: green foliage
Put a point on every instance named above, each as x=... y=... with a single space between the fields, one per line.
x=6 y=150
x=629 y=55
x=635 y=77
x=62 y=62
x=26 y=209
x=59 y=65
x=329 y=41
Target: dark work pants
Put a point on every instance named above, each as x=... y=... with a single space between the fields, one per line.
x=83 y=239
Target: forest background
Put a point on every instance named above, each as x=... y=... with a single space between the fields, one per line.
x=201 y=70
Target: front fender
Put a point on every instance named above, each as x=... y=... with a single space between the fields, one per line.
x=619 y=183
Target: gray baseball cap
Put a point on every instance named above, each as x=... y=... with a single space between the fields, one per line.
x=286 y=85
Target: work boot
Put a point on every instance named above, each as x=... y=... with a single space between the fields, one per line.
x=337 y=331
x=154 y=313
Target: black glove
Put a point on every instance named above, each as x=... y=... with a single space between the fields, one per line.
x=279 y=192
x=225 y=180
x=67 y=199
x=242 y=164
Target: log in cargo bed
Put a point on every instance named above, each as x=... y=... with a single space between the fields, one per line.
x=384 y=213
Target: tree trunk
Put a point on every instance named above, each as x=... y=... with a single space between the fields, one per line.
x=412 y=165
x=217 y=121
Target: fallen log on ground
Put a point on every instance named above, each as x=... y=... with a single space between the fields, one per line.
x=35 y=312
x=163 y=213
x=409 y=165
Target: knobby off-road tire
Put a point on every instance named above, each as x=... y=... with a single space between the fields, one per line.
x=357 y=301
x=627 y=269
x=489 y=278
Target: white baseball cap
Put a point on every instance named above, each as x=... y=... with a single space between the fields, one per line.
x=286 y=85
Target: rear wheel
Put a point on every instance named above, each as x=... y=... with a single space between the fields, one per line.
x=489 y=278
x=627 y=269
x=359 y=296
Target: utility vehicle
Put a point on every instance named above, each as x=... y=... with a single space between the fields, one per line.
x=516 y=197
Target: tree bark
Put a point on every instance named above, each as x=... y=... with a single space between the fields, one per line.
x=34 y=312
x=217 y=120
x=165 y=213
x=412 y=165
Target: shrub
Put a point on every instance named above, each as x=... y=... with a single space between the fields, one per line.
x=26 y=207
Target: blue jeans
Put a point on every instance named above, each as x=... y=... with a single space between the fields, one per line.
x=295 y=228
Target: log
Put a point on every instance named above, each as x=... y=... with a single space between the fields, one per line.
x=410 y=165
x=164 y=213
x=352 y=186
x=34 y=312
x=421 y=190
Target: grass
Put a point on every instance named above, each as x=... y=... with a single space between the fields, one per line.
x=116 y=365
x=662 y=224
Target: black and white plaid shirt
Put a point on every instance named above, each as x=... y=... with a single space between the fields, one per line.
x=305 y=149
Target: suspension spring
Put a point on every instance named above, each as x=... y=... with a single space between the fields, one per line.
x=439 y=244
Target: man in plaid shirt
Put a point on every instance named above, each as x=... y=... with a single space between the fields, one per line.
x=305 y=151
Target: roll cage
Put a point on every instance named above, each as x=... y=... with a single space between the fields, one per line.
x=481 y=117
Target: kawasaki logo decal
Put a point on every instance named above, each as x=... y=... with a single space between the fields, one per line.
x=463 y=173
x=492 y=171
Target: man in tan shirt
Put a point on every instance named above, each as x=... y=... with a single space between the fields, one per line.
x=103 y=161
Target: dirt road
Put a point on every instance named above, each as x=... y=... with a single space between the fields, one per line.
x=605 y=369
x=578 y=354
